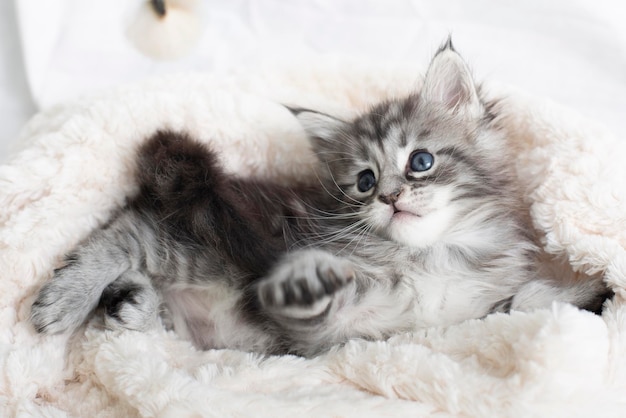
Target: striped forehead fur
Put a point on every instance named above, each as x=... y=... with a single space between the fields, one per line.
x=396 y=124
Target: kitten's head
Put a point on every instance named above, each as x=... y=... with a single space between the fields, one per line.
x=414 y=169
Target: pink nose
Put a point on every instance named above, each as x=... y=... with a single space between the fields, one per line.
x=391 y=198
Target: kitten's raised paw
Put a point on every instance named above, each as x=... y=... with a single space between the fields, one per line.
x=305 y=280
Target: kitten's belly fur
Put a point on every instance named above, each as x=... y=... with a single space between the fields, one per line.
x=209 y=316
x=444 y=300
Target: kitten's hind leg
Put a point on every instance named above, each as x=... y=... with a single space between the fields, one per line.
x=65 y=302
x=587 y=294
x=130 y=302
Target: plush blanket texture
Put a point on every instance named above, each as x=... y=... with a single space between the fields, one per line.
x=74 y=169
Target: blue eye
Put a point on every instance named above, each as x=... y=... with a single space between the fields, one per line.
x=421 y=161
x=366 y=181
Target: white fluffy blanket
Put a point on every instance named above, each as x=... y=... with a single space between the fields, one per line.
x=74 y=169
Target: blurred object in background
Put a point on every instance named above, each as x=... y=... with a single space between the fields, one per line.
x=166 y=29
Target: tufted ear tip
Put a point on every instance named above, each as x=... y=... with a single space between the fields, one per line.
x=449 y=81
x=447 y=44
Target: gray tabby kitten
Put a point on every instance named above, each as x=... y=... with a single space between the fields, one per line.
x=417 y=223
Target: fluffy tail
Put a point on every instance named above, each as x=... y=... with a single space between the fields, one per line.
x=182 y=181
x=174 y=170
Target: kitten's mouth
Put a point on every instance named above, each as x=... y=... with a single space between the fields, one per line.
x=399 y=214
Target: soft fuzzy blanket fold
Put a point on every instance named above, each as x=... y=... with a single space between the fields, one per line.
x=74 y=169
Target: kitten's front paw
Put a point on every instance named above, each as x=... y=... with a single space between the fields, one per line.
x=305 y=280
x=59 y=307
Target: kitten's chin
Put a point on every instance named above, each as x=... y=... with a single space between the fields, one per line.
x=419 y=231
x=404 y=216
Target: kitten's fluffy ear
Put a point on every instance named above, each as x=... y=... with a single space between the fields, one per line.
x=449 y=82
x=319 y=127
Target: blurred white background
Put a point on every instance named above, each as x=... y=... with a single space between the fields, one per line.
x=572 y=51
x=16 y=104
